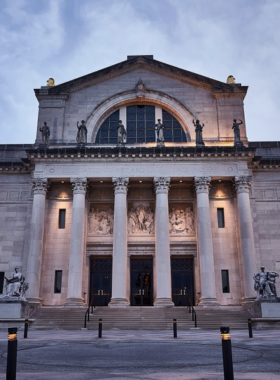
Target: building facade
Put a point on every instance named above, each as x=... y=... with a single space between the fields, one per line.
x=94 y=214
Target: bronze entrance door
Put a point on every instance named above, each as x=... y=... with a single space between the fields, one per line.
x=141 y=282
x=182 y=281
x=100 y=281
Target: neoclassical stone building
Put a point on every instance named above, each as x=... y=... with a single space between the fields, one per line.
x=143 y=222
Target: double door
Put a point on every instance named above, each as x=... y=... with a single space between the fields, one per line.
x=100 y=281
x=141 y=280
x=182 y=281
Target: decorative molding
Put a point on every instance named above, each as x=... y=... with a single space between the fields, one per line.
x=161 y=184
x=79 y=185
x=120 y=185
x=40 y=185
x=202 y=184
x=242 y=184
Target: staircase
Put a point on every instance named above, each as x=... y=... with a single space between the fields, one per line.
x=139 y=318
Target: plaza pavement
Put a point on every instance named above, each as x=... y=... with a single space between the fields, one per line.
x=145 y=355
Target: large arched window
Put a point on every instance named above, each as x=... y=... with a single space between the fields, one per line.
x=140 y=123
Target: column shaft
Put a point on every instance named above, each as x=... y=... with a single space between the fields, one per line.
x=34 y=261
x=119 y=276
x=242 y=185
x=205 y=242
x=162 y=257
x=76 y=257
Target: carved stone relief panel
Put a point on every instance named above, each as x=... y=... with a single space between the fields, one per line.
x=101 y=219
x=140 y=218
x=181 y=219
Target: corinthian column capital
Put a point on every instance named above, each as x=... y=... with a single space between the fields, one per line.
x=79 y=185
x=162 y=184
x=39 y=185
x=202 y=184
x=120 y=184
x=242 y=184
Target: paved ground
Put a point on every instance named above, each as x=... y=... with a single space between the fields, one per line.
x=145 y=355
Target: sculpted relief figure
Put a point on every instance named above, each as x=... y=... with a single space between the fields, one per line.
x=265 y=284
x=16 y=285
x=181 y=221
x=140 y=220
x=82 y=133
x=101 y=222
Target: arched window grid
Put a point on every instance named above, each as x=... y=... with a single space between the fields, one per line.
x=107 y=133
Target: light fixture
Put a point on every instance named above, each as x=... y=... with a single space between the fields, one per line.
x=101 y=181
x=181 y=181
x=140 y=181
x=62 y=181
x=220 y=180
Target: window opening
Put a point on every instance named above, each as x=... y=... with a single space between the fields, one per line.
x=173 y=130
x=107 y=133
x=221 y=218
x=1 y=282
x=61 y=218
x=140 y=124
x=225 y=281
x=57 y=281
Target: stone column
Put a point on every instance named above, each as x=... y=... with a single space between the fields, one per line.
x=242 y=186
x=77 y=241
x=119 y=276
x=34 y=260
x=205 y=242
x=162 y=257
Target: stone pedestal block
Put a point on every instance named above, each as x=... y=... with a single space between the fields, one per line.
x=13 y=309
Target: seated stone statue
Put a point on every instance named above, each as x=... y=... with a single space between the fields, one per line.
x=265 y=283
x=16 y=285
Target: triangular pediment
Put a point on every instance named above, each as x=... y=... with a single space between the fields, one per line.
x=145 y=63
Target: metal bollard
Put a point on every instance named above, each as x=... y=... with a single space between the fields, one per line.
x=227 y=353
x=195 y=321
x=100 y=328
x=250 y=328
x=175 y=328
x=11 y=372
x=26 y=322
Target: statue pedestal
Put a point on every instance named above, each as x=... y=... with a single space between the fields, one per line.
x=270 y=309
x=13 y=308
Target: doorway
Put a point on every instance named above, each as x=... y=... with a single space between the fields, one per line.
x=141 y=281
x=182 y=281
x=100 y=281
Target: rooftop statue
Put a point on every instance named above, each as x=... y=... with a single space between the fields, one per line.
x=236 y=130
x=50 y=82
x=16 y=285
x=121 y=133
x=265 y=284
x=230 y=79
x=198 y=133
x=45 y=130
x=82 y=133
x=159 y=135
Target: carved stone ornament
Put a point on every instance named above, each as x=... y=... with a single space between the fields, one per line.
x=79 y=185
x=162 y=184
x=120 y=184
x=181 y=222
x=242 y=184
x=140 y=220
x=39 y=185
x=140 y=89
x=265 y=284
x=202 y=184
x=15 y=286
x=101 y=222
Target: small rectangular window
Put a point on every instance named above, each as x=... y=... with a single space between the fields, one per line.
x=225 y=281
x=1 y=282
x=61 y=218
x=221 y=218
x=57 y=281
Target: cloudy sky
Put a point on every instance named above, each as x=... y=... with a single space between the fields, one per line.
x=66 y=39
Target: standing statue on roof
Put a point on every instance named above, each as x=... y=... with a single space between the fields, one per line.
x=236 y=130
x=121 y=133
x=159 y=135
x=198 y=133
x=82 y=133
x=45 y=130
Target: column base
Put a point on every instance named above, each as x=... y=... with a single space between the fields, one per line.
x=163 y=302
x=118 y=302
x=34 y=301
x=208 y=302
x=74 y=302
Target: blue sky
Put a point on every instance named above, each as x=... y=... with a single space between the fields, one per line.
x=66 y=39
